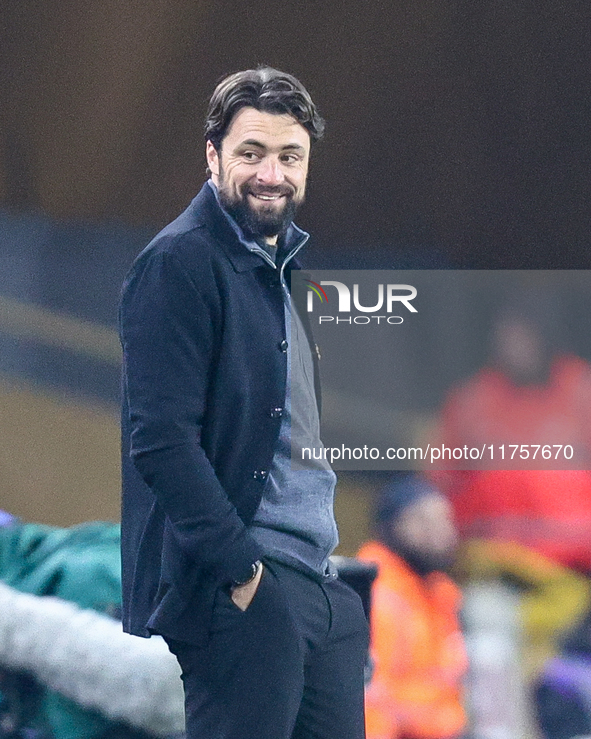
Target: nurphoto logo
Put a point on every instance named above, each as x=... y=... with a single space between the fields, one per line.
x=388 y=296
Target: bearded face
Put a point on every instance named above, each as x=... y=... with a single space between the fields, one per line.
x=260 y=170
x=424 y=534
x=259 y=210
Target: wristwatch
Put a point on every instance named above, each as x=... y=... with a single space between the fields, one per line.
x=255 y=568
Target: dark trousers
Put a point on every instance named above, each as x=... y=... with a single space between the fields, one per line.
x=289 y=667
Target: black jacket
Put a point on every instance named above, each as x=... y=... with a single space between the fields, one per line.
x=204 y=374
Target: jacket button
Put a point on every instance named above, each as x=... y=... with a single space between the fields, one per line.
x=276 y=412
x=283 y=346
x=260 y=474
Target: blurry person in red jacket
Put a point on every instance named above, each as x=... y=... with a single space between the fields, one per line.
x=527 y=519
x=536 y=394
x=417 y=648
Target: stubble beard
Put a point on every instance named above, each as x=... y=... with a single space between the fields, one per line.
x=423 y=561
x=265 y=220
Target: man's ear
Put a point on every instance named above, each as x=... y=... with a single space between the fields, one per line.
x=213 y=161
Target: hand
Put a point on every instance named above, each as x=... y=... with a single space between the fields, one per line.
x=242 y=595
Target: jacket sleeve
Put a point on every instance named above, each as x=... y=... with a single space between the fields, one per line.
x=168 y=326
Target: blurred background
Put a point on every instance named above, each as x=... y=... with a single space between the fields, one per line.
x=458 y=136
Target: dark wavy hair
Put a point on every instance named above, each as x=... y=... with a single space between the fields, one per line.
x=265 y=89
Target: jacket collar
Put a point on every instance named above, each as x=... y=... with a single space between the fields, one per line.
x=205 y=212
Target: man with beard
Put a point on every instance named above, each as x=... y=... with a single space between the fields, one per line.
x=417 y=649
x=225 y=547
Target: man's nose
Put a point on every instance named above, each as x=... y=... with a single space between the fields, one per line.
x=270 y=171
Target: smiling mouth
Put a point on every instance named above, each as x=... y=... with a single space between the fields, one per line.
x=267 y=198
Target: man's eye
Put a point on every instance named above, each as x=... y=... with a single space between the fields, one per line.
x=251 y=156
x=290 y=158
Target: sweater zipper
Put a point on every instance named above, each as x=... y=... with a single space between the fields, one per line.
x=288 y=258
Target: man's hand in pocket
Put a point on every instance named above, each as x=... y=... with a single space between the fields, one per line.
x=242 y=595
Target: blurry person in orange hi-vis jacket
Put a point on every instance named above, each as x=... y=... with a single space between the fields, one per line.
x=417 y=648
